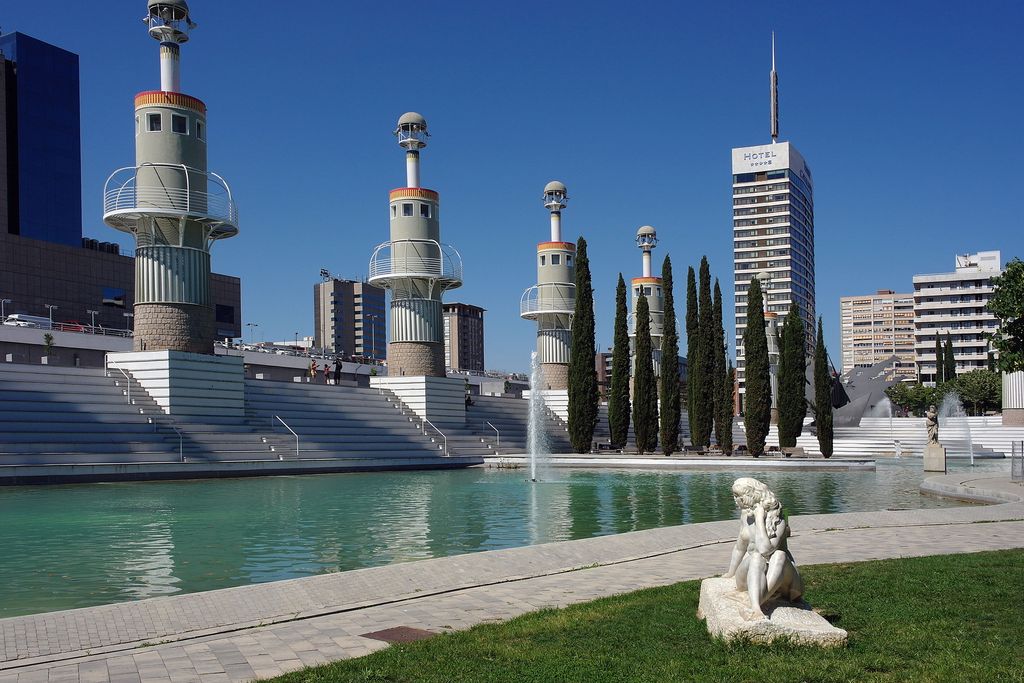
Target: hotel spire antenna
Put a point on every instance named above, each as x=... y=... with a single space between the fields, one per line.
x=775 y=96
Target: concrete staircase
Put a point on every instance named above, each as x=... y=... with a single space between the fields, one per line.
x=511 y=417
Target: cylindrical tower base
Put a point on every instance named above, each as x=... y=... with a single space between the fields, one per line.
x=416 y=359
x=556 y=376
x=1013 y=399
x=174 y=327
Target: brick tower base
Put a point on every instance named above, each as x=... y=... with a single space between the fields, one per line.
x=416 y=359
x=556 y=376
x=174 y=327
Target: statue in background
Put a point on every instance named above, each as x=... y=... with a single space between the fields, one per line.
x=931 y=421
x=761 y=562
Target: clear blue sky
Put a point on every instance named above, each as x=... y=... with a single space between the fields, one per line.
x=909 y=114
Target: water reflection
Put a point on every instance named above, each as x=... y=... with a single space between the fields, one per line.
x=73 y=546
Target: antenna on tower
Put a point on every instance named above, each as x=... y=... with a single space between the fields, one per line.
x=775 y=96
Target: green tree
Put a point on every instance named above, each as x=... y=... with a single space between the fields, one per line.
x=728 y=384
x=618 y=395
x=692 y=319
x=583 y=396
x=645 y=389
x=948 y=361
x=702 y=409
x=722 y=398
x=1007 y=304
x=939 y=361
x=982 y=390
x=822 y=394
x=792 y=378
x=669 y=392
x=47 y=344
x=757 y=403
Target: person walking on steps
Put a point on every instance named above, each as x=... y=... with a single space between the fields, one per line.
x=312 y=371
x=327 y=373
x=337 y=372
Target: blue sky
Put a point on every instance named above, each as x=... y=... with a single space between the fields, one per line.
x=908 y=113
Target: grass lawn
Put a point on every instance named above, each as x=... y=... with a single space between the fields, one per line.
x=945 y=618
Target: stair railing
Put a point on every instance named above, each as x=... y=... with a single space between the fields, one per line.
x=428 y=422
x=497 y=442
x=281 y=455
x=127 y=379
x=181 y=442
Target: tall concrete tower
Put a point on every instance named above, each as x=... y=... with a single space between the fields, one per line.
x=415 y=266
x=552 y=301
x=171 y=202
x=650 y=287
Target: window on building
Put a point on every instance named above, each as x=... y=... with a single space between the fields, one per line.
x=179 y=124
x=543 y=260
x=154 y=123
x=407 y=209
x=200 y=132
x=647 y=291
x=568 y=260
x=556 y=259
x=394 y=211
x=225 y=314
x=138 y=126
x=425 y=210
x=113 y=296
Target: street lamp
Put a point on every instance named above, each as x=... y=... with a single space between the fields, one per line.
x=252 y=332
x=51 y=308
x=93 y=314
x=296 y=341
x=3 y=310
x=373 y=334
x=128 y=320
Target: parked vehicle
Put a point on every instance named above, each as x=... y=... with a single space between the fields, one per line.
x=70 y=326
x=22 y=320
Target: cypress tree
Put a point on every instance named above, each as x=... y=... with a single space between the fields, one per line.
x=703 y=394
x=618 y=395
x=645 y=390
x=583 y=394
x=722 y=403
x=692 y=373
x=939 y=361
x=728 y=383
x=757 y=409
x=792 y=370
x=822 y=394
x=669 y=390
x=949 y=361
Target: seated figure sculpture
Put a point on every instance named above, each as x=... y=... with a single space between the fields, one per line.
x=761 y=562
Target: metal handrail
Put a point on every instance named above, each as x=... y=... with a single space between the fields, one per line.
x=428 y=422
x=128 y=380
x=181 y=447
x=531 y=302
x=127 y=195
x=446 y=266
x=497 y=442
x=281 y=456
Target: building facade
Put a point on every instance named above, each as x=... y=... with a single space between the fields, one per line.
x=773 y=235
x=877 y=327
x=464 y=337
x=40 y=141
x=954 y=304
x=350 y=319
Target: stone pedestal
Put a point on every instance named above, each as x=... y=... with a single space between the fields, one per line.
x=730 y=617
x=934 y=458
x=195 y=385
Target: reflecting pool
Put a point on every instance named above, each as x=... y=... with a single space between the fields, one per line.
x=73 y=546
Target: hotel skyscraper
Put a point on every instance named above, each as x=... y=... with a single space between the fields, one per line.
x=773 y=229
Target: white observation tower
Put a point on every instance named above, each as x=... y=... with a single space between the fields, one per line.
x=552 y=301
x=650 y=287
x=171 y=202
x=415 y=266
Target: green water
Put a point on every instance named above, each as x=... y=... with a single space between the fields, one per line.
x=73 y=546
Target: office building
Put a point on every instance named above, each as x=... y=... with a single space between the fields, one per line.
x=463 y=337
x=349 y=318
x=954 y=304
x=40 y=141
x=773 y=230
x=876 y=328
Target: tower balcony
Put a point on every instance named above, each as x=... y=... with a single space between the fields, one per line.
x=553 y=298
x=162 y=190
x=416 y=259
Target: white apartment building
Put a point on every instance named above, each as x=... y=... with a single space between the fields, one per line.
x=954 y=303
x=876 y=327
x=773 y=235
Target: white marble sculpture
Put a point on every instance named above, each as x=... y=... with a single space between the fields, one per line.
x=760 y=598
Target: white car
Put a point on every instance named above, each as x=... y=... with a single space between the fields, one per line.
x=19 y=323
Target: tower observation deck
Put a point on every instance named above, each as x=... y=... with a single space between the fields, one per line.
x=170 y=201
x=552 y=301
x=415 y=266
x=651 y=287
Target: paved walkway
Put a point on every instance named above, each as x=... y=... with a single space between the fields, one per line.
x=264 y=630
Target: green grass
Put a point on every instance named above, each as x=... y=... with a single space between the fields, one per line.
x=945 y=618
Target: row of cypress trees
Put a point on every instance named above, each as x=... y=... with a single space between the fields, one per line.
x=945 y=362
x=709 y=389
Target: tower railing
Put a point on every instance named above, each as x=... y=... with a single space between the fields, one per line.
x=205 y=196
x=552 y=298
x=416 y=259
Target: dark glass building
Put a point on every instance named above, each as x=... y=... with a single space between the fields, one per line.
x=40 y=141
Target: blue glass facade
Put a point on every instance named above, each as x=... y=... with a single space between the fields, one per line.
x=44 y=160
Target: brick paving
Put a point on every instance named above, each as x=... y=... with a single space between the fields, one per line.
x=250 y=632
